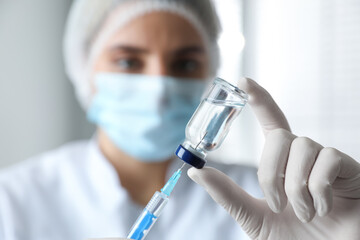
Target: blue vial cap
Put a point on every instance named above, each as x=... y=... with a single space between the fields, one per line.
x=189 y=157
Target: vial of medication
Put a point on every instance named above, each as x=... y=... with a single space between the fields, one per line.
x=211 y=122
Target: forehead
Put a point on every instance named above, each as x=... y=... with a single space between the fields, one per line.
x=157 y=30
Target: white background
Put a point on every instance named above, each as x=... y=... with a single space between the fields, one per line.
x=38 y=110
x=307 y=54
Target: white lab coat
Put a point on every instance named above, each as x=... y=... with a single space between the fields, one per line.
x=74 y=193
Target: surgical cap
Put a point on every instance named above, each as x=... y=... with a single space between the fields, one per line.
x=86 y=32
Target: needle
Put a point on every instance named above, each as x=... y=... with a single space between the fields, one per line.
x=200 y=141
x=182 y=166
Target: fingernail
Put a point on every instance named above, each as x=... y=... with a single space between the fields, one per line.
x=320 y=207
x=304 y=217
x=307 y=216
x=303 y=213
x=274 y=203
x=303 y=220
x=317 y=205
x=192 y=174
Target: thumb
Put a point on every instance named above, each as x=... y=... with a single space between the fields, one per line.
x=265 y=108
x=245 y=209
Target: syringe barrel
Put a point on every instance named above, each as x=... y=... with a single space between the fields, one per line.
x=148 y=217
x=157 y=203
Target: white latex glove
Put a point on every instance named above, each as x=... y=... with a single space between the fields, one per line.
x=321 y=184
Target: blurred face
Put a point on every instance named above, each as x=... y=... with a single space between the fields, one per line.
x=157 y=43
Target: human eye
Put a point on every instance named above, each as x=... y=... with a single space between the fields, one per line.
x=186 y=66
x=129 y=64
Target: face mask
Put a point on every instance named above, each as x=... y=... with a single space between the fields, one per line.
x=145 y=116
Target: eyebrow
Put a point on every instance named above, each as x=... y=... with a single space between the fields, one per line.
x=138 y=50
x=189 y=50
x=129 y=49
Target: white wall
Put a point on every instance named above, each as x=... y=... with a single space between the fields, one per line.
x=307 y=54
x=243 y=144
x=38 y=111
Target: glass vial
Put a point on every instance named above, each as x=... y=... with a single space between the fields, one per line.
x=211 y=122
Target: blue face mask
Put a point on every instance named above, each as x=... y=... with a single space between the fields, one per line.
x=145 y=116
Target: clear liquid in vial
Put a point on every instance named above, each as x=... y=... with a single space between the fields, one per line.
x=212 y=123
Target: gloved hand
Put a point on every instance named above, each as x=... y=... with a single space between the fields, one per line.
x=321 y=184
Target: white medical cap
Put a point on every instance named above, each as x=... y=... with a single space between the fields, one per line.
x=84 y=35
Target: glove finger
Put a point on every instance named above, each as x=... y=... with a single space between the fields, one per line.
x=303 y=153
x=266 y=110
x=272 y=167
x=333 y=171
x=246 y=210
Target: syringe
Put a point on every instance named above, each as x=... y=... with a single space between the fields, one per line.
x=153 y=209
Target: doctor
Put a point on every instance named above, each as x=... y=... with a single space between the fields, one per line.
x=139 y=69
